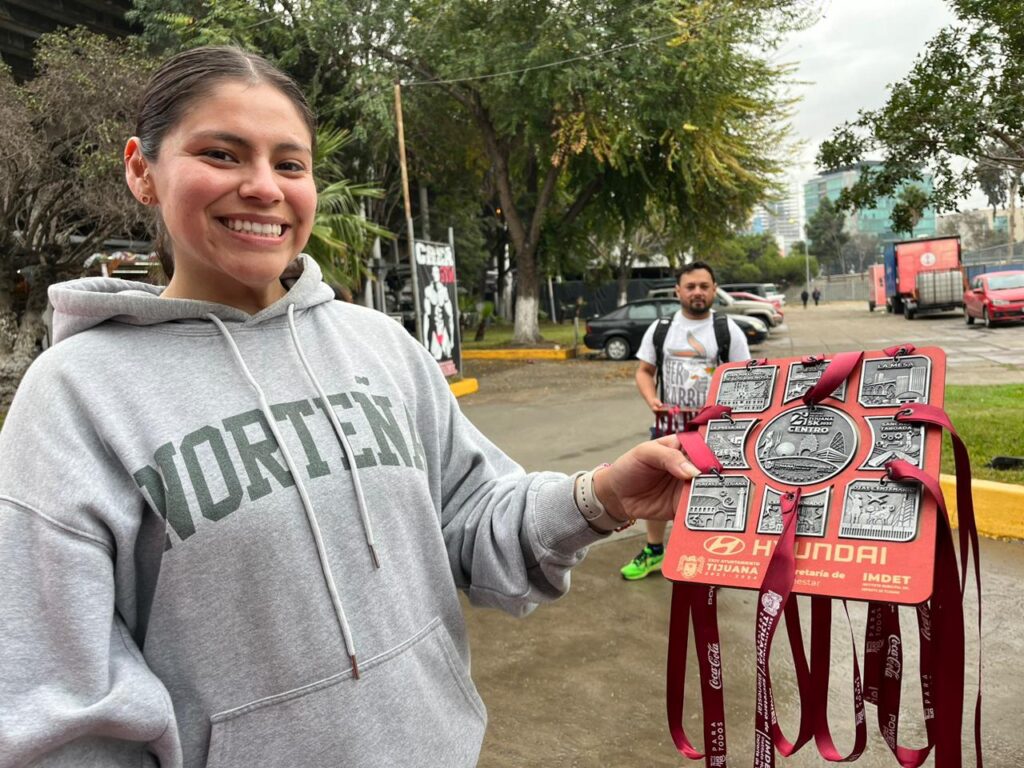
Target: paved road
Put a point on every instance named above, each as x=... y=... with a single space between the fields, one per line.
x=976 y=355
x=580 y=682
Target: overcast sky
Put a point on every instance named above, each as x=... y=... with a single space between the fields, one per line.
x=849 y=58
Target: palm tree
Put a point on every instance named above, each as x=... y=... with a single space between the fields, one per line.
x=341 y=235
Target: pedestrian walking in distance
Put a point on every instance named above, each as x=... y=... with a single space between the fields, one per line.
x=235 y=514
x=804 y=296
x=817 y=296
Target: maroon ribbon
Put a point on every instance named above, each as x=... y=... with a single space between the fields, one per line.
x=698 y=601
x=899 y=349
x=947 y=631
x=772 y=599
x=821 y=651
x=967 y=527
x=839 y=369
x=940 y=625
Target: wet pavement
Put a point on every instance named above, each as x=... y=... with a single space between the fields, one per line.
x=581 y=682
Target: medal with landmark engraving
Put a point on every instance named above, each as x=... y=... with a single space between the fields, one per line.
x=882 y=510
x=889 y=381
x=747 y=389
x=806 y=445
x=727 y=438
x=891 y=439
x=718 y=503
x=811 y=514
x=802 y=377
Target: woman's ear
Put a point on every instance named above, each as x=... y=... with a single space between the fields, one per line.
x=136 y=173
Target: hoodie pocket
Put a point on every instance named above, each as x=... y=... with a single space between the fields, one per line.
x=412 y=706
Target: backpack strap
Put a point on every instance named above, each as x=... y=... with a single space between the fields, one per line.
x=722 y=336
x=660 y=332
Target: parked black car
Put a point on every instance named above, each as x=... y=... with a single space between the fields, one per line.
x=620 y=331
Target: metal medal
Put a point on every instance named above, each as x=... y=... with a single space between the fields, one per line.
x=747 y=389
x=891 y=381
x=718 y=503
x=891 y=439
x=811 y=513
x=728 y=438
x=802 y=377
x=803 y=446
x=880 y=510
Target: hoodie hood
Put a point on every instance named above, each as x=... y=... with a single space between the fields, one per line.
x=81 y=304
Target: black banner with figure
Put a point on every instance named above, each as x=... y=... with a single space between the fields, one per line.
x=435 y=272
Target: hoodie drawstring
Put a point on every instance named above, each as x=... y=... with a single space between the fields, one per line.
x=364 y=512
x=307 y=504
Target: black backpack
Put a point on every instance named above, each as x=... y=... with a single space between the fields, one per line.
x=722 y=338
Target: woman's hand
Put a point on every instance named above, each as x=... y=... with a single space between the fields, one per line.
x=645 y=483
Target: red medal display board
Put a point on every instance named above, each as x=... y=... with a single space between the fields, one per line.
x=859 y=534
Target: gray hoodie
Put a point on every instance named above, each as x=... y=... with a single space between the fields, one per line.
x=188 y=560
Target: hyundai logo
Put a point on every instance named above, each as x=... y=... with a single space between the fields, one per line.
x=724 y=545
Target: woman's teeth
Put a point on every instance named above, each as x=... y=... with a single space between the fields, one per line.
x=253 y=227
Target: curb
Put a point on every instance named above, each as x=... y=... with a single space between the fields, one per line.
x=518 y=354
x=998 y=507
x=464 y=387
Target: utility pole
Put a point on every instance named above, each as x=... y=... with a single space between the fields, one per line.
x=408 y=211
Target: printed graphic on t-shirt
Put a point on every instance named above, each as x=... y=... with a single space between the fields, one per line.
x=687 y=374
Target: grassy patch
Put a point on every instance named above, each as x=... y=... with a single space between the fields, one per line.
x=501 y=336
x=990 y=419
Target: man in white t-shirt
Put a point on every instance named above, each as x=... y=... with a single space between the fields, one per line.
x=690 y=350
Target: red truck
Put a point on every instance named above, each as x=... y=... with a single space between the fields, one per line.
x=876 y=286
x=924 y=276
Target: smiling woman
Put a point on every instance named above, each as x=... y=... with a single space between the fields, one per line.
x=235 y=514
x=233 y=185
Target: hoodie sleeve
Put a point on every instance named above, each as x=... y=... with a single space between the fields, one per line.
x=74 y=688
x=511 y=537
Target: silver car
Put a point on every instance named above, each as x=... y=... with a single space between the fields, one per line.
x=764 y=312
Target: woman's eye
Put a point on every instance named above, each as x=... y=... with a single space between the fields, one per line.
x=219 y=154
x=291 y=166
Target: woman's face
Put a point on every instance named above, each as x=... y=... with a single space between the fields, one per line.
x=234 y=185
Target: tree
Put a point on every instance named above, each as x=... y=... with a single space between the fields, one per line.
x=341 y=234
x=960 y=107
x=825 y=231
x=972 y=227
x=862 y=249
x=689 y=121
x=62 y=190
x=545 y=106
x=909 y=209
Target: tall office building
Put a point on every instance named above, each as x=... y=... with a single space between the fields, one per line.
x=781 y=218
x=870 y=221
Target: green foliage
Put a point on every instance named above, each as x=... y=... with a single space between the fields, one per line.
x=755 y=259
x=545 y=108
x=341 y=235
x=981 y=415
x=962 y=100
x=499 y=336
x=909 y=209
x=63 y=133
x=861 y=250
x=826 y=235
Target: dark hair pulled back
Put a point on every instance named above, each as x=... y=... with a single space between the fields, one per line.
x=189 y=76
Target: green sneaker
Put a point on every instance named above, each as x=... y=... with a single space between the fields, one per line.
x=642 y=565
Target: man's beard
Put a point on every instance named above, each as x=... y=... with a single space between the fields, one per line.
x=702 y=309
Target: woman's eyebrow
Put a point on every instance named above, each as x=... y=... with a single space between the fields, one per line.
x=231 y=138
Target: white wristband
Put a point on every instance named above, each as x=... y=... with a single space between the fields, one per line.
x=592 y=509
